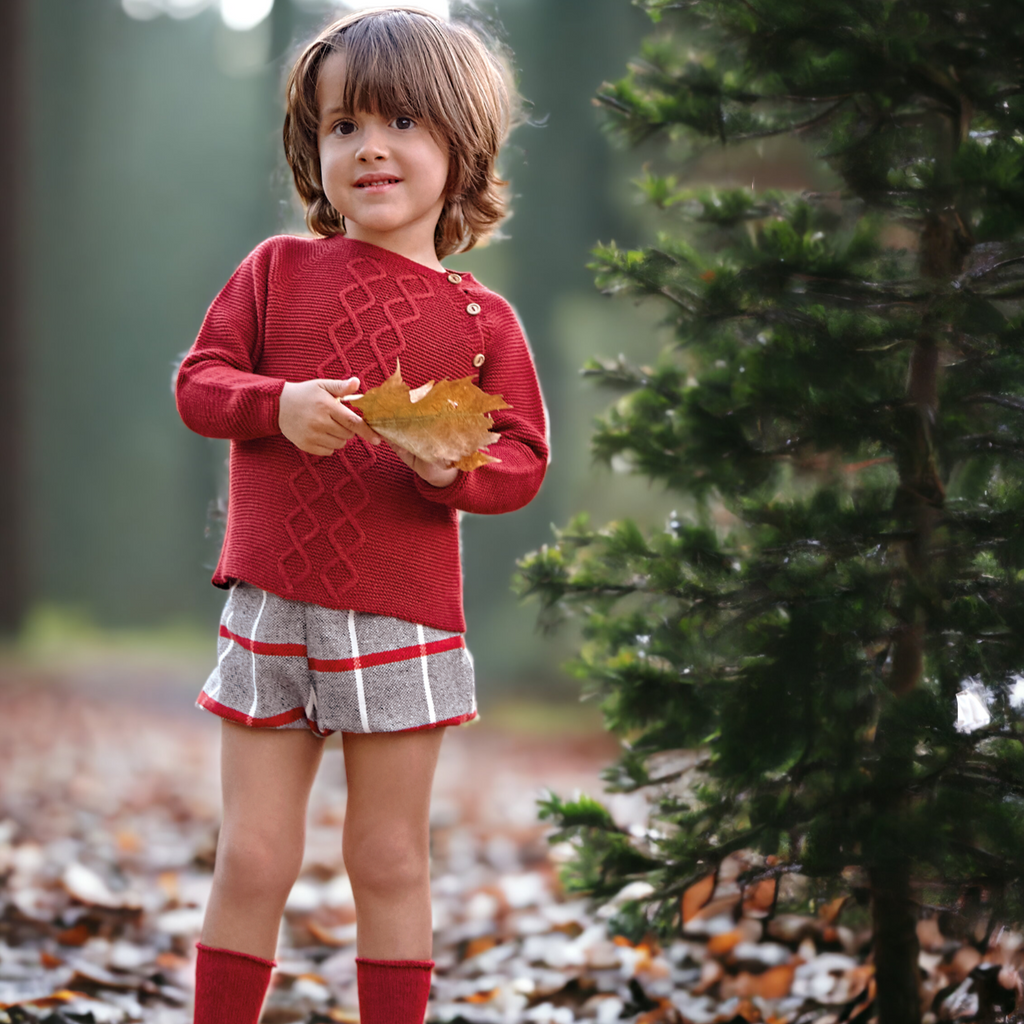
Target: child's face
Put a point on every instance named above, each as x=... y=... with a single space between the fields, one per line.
x=386 y=177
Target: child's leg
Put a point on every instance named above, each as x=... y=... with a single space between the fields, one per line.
x=266 y=776
x=387 y=855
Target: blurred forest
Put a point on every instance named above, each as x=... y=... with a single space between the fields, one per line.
x=147 y=163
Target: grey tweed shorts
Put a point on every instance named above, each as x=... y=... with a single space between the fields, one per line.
x=290 y=665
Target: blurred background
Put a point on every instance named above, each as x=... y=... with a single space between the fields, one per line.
x=143 y=158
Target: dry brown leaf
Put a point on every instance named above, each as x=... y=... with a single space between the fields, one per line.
x=759 y=898
x=327 y=936
x=480 y=997
x=774 y=983
x=444 y=422
x=697 y=896
x=725 y=942
x=480 y=944
x=75 y=936
x=829 y=912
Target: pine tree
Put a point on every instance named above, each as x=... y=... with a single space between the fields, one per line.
x=846 y=391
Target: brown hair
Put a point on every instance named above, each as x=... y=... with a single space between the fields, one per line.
x=401 y=60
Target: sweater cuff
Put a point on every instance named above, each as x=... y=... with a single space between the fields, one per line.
x=271 y=410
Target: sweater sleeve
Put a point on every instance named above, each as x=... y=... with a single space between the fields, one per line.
x=510 y=484
x=218 y=392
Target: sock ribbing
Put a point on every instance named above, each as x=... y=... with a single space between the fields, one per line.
x=230 y=986
x=393 y=991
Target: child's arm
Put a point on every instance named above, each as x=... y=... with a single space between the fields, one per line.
x=504 y=486
x=219 y=394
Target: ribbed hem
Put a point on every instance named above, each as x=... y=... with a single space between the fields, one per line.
x=427 y=965
x=235 y=952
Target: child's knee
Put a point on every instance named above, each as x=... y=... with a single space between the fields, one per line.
x=378 y=865
x=260 y=865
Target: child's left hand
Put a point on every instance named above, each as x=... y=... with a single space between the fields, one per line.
x=435 y=475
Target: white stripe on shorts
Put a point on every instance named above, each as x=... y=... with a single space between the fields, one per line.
x=426 y=673
x=255 y=688
x=227 y=615
x=357 y=669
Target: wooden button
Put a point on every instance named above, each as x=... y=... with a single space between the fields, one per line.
x=473 y=308
x=455 y=278
x=478 y=360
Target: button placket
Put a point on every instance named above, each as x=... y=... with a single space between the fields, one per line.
x=472 y=309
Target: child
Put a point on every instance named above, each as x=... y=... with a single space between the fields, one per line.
x=341 y=554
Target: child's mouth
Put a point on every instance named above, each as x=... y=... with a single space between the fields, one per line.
x=378 y=183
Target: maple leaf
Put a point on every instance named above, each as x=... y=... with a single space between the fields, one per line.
x=444 y=422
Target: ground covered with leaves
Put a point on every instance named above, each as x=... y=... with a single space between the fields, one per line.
x=108 y=824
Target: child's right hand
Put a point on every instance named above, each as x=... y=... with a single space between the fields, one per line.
x=313 y=419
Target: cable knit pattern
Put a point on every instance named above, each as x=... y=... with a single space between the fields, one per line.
x=357 y=529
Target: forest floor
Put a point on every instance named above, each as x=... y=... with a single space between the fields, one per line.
x=108 y=825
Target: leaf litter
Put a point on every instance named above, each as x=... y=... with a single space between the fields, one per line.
x=107 y=839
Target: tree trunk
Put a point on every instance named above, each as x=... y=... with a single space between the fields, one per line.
x=919 y=503
x=895 y=946
x=13 y=586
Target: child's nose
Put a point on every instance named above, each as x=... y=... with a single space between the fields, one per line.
x=373 y=145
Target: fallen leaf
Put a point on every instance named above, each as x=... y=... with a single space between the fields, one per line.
x=724 y=942
x=337 y=937
x=866 y=1001
x=829 y=912
x=697 y=895
x=774 y=983
x=747 y=1011
x=171 y=961
x=474 y=947
x=480 y=997
x=443 y=422
x=759 y=898
x=76 y=936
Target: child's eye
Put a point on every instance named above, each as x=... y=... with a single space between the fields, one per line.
x=344 y=128
x=404 y=123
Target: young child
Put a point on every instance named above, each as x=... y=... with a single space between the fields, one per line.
x=341 y=554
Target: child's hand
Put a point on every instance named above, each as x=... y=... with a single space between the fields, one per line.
x=437 y=476
x=313 y=419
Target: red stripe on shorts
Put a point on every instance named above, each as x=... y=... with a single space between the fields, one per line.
x=449 y=643
x=296 y=713
x=292 y=715
x=457 y=720
x=259 y=647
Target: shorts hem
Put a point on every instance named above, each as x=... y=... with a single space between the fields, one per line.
x=286 y=718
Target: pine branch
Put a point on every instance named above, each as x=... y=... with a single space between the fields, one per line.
x=792 y=129
x=1008 y=401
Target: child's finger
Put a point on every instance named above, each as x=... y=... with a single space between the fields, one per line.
x=340 y=388
x=348 y=420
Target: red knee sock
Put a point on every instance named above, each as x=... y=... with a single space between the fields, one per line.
x=393 y=991
x=230 y=986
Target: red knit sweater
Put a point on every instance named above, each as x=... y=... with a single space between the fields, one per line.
x=356 y=529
